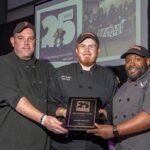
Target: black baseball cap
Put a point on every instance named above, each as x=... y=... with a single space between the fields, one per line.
x=138 y=50
x=86 y=35
x=23 y=25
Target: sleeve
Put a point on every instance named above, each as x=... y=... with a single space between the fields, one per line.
x=146 y=99
x=112 y=89
x=9 y=93
x=51 y=69
x=54 y=95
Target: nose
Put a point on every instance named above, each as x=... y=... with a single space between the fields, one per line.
x=26 y=41
x=132 y=62
x=87 y=48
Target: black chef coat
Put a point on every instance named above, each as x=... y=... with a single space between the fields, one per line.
x=72 y=81
x=20 y=78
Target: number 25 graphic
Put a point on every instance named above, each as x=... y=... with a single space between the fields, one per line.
x=61 y=25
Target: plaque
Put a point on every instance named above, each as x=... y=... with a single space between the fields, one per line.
x=82 y=112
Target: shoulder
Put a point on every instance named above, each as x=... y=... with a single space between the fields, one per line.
x=104 y=70
x=5 y=57
x=42 y=62
x=45 y=65
x=67 y=68
x=7 y=65
x=106 y=76
x=7 y=60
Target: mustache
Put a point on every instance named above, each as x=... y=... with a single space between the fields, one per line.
x=131 y=67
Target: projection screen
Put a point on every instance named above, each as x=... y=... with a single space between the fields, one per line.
x=118 y=24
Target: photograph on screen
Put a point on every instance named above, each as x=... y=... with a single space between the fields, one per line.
x=59 y=23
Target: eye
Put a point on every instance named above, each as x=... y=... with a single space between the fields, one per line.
x=20 y=37
x=82 y=46
x=92 y=47
x=138 y=59
x=31 y=38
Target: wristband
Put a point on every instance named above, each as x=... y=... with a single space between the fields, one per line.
x=42 y=119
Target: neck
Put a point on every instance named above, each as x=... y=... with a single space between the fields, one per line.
x=86 y=68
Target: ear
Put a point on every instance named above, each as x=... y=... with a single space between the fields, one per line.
x=12 y=41
x=99 y=51
x=148 y=62
x=76 y=51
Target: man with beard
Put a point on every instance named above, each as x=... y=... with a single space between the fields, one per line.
x=131 y=105
x=82 y=79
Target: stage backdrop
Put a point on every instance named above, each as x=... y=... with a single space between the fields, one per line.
x=118 y=24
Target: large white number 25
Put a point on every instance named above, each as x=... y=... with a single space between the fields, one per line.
x=51 y=24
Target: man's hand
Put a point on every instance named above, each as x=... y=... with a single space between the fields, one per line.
x=25 y=108
x=104 y=131
x=54 y=125
x=61 y=112
x=103 y=113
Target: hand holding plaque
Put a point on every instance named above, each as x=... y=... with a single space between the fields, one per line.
x=81 y=113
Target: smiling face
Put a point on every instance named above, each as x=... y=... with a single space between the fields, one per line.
x=24 y=43
x=135 y=66
x=87 y=52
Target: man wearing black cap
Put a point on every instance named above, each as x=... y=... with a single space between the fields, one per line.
x=23 y=95
x=82 y=79
x=131 y=105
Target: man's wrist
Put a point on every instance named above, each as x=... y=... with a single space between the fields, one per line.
x=42 y=119
x=115 y=131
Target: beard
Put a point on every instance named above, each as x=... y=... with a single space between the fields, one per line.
x=139 y=72
x=87 y=62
